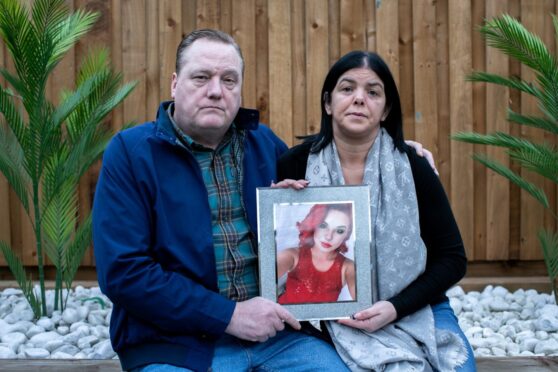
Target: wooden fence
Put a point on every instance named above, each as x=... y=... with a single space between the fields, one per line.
x=288 y=46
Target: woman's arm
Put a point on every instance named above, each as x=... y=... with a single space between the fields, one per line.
x=446 y=261
x=286 y=261
x=349 y=276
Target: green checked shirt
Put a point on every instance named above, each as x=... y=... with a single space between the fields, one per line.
x=233 y=241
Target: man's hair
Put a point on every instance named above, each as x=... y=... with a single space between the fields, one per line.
x=209 y=34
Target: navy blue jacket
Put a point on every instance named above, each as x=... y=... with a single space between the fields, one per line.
x=153 y=241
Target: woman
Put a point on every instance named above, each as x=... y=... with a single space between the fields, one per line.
x=317 y=270
x=420 y=252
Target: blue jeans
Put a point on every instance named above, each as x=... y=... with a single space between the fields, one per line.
x=288 y=351
x=444 y=318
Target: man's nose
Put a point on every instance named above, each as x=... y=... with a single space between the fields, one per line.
x=214 y=89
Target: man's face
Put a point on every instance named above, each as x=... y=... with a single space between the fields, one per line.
x=207 y=92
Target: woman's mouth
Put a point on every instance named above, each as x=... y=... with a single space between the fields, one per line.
x=325 y=245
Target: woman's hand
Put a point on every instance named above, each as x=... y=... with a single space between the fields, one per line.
x=293 y=184
x=373 y=318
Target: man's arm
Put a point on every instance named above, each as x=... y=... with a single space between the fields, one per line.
x=127 y=272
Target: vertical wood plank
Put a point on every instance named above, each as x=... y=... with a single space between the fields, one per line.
x=461 y=119
x=226 y=15
x=443 y=95
x=262 y=65
x=479 y=125
x=514 y=10
x=535 y=17
x=134 y=58
x=298 y=45
x=208 y=14
x=425 y=74
x=352 y=23
x=116 y=56
x=498 y=191
x=244 y=32
x=170 y=35
x=317 y=53
x=153 y=80
x=334 y=31
x=370 y=24
x=406 y=67
x=387 y=35
x=280 y=84
x=189 y=16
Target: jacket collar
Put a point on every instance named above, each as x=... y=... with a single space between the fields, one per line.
x=245 y=119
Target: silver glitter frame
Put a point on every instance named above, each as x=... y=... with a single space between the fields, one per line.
x=364 y=253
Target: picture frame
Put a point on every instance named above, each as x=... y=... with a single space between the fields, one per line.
x=302 y=233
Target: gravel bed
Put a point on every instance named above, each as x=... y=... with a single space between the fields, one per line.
x=497 y=323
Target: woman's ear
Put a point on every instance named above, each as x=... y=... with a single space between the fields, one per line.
x=327 y=103
x=386 y=113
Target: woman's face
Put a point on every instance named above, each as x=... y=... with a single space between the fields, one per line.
x=357 y=104
x=332 y=232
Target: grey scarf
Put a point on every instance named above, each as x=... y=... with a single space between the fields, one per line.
x=412 y=342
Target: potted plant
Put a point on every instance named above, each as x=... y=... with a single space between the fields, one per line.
x=45 y=149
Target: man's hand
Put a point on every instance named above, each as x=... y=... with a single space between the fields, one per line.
x=373 y=318
x=424 y=153
x=258 y=319
x=288 y=183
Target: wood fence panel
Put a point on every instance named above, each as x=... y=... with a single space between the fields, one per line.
x=352 y=22
x=387 y=35
x=244 y=32
x=535 y=17
x=443 y=88
x=289 y=45
x=498 y=189
x=298 y=77
x=262 y=62
x=317 y=53
x=425 y=73
x=280 y=54
x=460 y=99
x=406 y=67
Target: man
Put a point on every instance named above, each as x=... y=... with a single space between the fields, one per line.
x=174 y=227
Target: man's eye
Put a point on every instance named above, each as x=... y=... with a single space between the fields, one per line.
x=200 y=77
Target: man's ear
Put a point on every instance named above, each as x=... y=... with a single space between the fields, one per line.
x=173 y=84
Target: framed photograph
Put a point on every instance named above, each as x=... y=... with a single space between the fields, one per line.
x=314 y=251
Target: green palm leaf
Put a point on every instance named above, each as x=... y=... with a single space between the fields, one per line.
x=549 y=244
x=17 y=269
x=533 y=121
x=12 y=167
x=76 y=250
x=510 y=36
x=541 y=159
x=502 y=170
x=513 y=82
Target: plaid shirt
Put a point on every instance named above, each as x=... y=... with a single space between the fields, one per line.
x=233 y=242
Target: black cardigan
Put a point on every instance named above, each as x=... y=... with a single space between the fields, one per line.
x=446 y=261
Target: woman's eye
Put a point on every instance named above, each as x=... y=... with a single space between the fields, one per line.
x=323 y=225
x=346 y=89
x=340 y=231
x=373 y=93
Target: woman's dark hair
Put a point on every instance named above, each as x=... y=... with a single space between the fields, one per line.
x=315 y=217
x=357 y=59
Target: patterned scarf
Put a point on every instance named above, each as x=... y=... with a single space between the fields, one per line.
x=412 y=342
